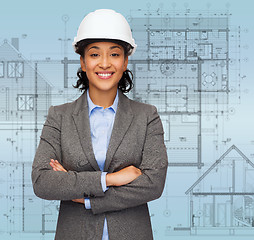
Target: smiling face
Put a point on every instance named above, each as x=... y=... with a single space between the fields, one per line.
x=104 y=64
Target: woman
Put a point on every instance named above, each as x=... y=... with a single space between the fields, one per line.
x=102 y=155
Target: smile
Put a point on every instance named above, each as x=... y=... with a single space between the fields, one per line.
x=105 y=75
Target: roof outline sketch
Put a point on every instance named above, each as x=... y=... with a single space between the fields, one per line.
x=233 y=147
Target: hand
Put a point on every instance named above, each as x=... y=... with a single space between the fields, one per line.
x=58 y=167
x=122 y=177
x=80 y=200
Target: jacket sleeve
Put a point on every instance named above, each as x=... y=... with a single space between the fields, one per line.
x=149 y=185
x=54 y=185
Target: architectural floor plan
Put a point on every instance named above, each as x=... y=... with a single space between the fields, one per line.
x=187 y=64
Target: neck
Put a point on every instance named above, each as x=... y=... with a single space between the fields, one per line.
x=102 y=99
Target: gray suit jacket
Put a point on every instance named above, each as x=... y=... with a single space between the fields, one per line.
x=137 y=139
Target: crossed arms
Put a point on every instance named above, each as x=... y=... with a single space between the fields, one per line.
x=128 y=187
x=119 y=178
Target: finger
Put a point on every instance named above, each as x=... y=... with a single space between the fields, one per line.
x=60 y=167
x=52 y=164
x=56 y=165
x=81 y=200
x=63 y=170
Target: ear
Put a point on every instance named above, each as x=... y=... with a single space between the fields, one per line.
x=82 y=64
x=125 y=63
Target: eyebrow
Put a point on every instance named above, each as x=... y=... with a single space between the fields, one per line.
x=99 y=48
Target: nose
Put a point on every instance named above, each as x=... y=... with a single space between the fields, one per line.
x=105 y=62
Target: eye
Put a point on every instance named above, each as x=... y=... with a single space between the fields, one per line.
x=94 y=55
x=115 y=54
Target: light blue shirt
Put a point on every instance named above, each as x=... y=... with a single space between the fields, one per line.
x=101 y=125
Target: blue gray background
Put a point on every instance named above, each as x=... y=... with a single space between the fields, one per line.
x=40 y=28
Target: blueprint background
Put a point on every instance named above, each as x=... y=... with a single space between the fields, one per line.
x=42 y=24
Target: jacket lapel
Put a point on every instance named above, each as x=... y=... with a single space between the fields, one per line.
x=122 y=122
x=81 y=119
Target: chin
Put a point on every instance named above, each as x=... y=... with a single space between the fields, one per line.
x=107 y=88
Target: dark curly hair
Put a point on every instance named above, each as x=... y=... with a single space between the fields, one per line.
x=125 y=84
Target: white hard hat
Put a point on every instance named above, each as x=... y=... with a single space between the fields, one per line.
x=105 y=24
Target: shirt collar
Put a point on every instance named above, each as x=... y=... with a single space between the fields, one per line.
x=92 y=106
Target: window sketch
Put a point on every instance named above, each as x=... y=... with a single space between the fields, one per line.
x=25 y=102
x=15 y=69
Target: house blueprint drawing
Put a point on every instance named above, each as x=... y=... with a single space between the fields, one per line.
x=188 y=64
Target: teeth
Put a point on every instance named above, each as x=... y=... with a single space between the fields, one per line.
x=104 y=74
